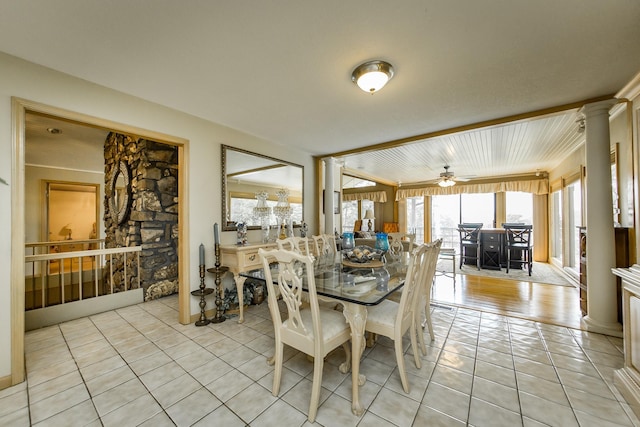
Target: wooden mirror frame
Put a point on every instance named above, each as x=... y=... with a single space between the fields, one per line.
x=228 y=226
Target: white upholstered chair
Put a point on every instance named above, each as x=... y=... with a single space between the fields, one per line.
x=424 y=298
x=398 y=241
x=325 y=244
x=313 y=331
x=295 y=244
x=393 y=319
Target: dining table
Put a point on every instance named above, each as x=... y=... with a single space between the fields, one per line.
x=355 y=287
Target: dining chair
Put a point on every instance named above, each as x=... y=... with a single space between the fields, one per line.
x=397 y=243
x=519 y=242
x=312 y=330
x=295 y=244
x=432 y=255
x=470 y=242
x=393 y=319
x=325 y=244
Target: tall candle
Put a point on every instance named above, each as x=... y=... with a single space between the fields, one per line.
x=201 y=254
x=215 y=233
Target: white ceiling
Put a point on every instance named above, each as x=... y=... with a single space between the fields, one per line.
x=281 y=69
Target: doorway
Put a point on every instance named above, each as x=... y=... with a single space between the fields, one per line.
x=21 y=108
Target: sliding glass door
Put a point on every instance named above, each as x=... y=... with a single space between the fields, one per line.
x=450 y=210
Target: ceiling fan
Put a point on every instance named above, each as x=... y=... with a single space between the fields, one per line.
x=448 y=178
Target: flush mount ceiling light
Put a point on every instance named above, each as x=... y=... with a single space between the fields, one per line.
x=372 y=76
x=54 y=131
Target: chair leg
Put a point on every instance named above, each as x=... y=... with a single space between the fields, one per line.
x=508 y=259
x=414 y=343
x=428 y=320
x=318 y=364
x=420 y=333
x=400 y=361
x=277 y=373
x=347 y=351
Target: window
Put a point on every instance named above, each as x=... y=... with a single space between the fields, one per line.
x=415 y=218
x=574 y=216
x=349 y=215
x=450 y=210
x=478 y=207
x=445 y=217
x=519 y=207
x=556 y=226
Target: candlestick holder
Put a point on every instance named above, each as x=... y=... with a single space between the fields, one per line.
x=202 y=293
x=218 y=270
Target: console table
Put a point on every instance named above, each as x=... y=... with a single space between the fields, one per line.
x=241 y=259
x=627 y=378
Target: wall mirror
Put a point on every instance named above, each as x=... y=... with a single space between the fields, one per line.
x=244 y=174
x=120 y=198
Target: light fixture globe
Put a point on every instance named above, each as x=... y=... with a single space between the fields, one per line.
x=372 y=76
x=446 y=182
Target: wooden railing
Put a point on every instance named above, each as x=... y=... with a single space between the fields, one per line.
x=59 y=277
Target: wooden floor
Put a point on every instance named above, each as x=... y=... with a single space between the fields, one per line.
x=558 y=305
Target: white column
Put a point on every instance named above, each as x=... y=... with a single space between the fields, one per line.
x=329 y=168
x=602 y=305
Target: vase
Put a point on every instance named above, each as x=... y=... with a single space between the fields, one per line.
x=264 y=225
x=382 y=241
x=348 y=241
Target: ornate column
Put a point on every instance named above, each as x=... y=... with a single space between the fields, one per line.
x=329 y=168
x=601 y=289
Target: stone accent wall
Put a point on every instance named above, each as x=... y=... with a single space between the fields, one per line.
x=153 y=218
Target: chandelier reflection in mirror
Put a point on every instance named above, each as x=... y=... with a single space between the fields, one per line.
x=262 y=212
x=282 y=210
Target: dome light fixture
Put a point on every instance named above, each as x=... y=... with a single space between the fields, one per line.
x=372 y=76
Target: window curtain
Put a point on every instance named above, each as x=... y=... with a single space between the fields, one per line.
x=534 y=186
x=374 y=196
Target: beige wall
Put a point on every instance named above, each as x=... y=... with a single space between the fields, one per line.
x=32 y=82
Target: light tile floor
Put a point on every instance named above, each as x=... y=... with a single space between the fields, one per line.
x=139 y=366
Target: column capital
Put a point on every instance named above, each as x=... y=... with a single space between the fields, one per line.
x=599 y=107
x=329 y=159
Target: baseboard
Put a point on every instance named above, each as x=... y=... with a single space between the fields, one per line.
x=5 y=382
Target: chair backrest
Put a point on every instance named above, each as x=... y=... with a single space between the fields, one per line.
x=325 y=244
x=295 y=244
x=411 y=289
x=518 y=234
x=507 y=224
x=396 y=245
x=357 y=226
x=293 y=269
x=469 y=232
x=431 y=255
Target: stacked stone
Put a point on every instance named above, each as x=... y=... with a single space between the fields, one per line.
x=153 y=220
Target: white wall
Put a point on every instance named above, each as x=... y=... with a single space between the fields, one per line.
x=32 y=82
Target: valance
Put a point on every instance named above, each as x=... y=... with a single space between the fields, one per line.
x=375 y=196
x=534 y=186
